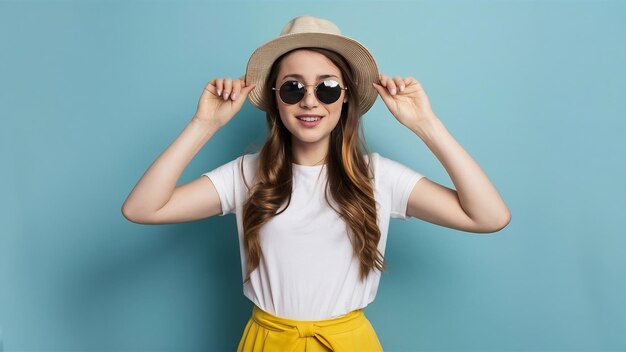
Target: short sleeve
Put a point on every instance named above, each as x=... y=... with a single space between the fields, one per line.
x=224 y=179
x=396 y=181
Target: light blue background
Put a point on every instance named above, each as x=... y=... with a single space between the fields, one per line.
x=92 y=92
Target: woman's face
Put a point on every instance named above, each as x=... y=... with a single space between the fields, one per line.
x=309 y=67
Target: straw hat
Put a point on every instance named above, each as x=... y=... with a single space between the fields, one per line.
x=309 y=31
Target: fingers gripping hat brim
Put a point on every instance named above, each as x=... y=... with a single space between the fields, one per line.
x=358 y=56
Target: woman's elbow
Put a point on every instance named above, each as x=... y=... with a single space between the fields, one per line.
x=503 y=221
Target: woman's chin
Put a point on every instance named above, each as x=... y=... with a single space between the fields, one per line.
x=309 y=137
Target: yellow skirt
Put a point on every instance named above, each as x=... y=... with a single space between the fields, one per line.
x=269 y=333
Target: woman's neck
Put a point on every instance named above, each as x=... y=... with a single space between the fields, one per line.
x=309 y=154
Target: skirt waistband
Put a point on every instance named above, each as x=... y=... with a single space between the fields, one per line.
x=309 y=328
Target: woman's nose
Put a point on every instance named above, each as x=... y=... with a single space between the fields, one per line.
x=309 y=97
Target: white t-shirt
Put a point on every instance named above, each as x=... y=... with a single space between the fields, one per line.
x=307 y=269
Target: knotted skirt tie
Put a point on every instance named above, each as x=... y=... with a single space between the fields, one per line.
x=348 y=333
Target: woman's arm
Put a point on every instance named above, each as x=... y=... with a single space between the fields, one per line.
x=475 y=206
x=156 y=199
x=155 y=188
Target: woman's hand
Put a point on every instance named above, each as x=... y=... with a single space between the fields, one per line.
x=221 y=99
x=406 y=100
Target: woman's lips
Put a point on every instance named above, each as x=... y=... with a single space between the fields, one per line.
x=309 y=123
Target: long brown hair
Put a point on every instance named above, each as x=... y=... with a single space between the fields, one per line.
x=350 y=177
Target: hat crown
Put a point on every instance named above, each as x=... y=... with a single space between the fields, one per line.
x=309 y=24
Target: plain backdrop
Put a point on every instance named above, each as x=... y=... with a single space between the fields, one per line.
x=91 y=92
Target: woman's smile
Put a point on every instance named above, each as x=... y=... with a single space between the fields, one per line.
x=309 y=120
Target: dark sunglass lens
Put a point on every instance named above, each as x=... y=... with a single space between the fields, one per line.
x=328 y=91
x=291 y=92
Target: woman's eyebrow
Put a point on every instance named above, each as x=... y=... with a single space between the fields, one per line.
x=300 y=76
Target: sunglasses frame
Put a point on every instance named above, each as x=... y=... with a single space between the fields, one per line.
x=314 y=90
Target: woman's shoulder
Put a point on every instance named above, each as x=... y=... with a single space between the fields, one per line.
x=245 y=163
x=248 y=162
x=384 y=165
x=250 y=158
x=372 y=157
x=377 y=157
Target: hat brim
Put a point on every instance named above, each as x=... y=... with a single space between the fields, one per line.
x=358 y=56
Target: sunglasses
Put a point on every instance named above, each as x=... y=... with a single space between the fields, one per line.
x=327 y=91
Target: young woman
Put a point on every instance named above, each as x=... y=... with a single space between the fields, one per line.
x=313 y=207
